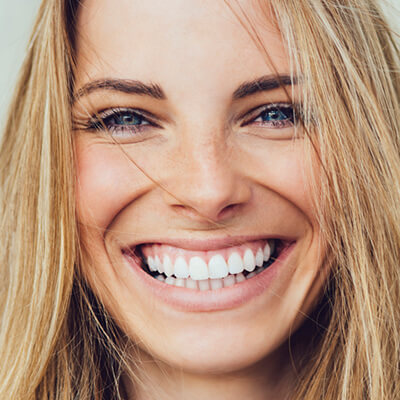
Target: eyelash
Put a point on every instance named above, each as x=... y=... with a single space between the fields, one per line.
x=278 y=110
x=104 y=121
x=285 y=113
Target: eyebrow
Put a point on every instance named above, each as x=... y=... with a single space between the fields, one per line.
x=122 y=85
x=263 y=84
x=129 y=86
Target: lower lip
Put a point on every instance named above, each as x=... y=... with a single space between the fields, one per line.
x=191 y=300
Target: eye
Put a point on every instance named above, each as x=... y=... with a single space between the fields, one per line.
x=121 y=122
x=275 y=116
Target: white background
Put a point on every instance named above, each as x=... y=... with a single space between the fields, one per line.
x=16 y=21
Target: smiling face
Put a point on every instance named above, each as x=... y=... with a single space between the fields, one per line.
x=199 y=225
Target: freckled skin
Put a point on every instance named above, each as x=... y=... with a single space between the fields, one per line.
x=220 y=179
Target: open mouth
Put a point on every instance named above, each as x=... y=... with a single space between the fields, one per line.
x=207 y=270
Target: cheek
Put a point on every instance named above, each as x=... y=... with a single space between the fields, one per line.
x=281 y=168
x=106 y=182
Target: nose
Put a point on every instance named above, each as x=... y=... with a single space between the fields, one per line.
x=206 y=183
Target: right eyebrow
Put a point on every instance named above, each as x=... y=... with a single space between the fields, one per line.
x=122 y=85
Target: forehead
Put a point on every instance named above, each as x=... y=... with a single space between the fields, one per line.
x=177 y=43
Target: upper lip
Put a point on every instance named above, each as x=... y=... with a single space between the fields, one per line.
x=209 y=244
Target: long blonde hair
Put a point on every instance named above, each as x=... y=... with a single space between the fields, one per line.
x=56 y=340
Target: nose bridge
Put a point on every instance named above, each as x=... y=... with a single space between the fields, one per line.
x=206 y=183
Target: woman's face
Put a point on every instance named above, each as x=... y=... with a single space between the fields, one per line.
x=200 y=179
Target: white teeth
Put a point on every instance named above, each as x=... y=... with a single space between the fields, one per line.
x=151 y=263
x=181 y=269
x=267 y=252
x=235 y=263
x=217 y=273
x=217 y=267
x=216 y=283
x=180 y=282
x=204 y=284
x=191 y=284
x=160 y=278
x=229 y=280
x=198 y=269
x=259 y=258
x=158 y=264
x=249 y=261
x=168 y=266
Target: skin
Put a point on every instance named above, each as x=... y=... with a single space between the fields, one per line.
x=199 y=174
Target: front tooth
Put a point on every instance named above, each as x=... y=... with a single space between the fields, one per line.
x=216 y=283
x=217 y=267
x=181 y=269
x=191 y=284
x=259 y=258
x=168 y=266
x=251 y=275
x=204 y=284
x=160 y=278
x=229 y=280
x=158 y=264
x=151 y=263
x=267 y=252
x=198 y=268
x=235 y=263
x=240 y=278
x=249 y=261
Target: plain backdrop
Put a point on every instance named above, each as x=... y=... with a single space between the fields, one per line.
x=16 y=21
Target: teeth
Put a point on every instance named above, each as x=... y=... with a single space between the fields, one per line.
x=168 y=266
x=181 y=269
x=259 y=258
x=198 y=269
x=158 y=264
x=267 y=251
x=229 y=280
x=180 y=282
x=216 y=283
x=151 y=263
x=272 y=246
x=249 y=261
x=218 y=273
x=217 y=267
x=170 y=280
x=240 y=278
x=204 y=284
x=191 y=284
x=235 y=263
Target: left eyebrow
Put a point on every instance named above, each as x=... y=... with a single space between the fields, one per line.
x=263 y=84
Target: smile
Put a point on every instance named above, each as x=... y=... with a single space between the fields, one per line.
x=206 y=270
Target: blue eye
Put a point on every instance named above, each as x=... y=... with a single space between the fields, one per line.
x=125 y=119
x=277 y=116
x=124 y=123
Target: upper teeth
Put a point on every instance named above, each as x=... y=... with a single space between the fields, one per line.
x=217 y=267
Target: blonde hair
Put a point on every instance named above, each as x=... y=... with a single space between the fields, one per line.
x=56 y=340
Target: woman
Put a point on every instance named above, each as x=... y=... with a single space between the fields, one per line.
x=200 y=199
